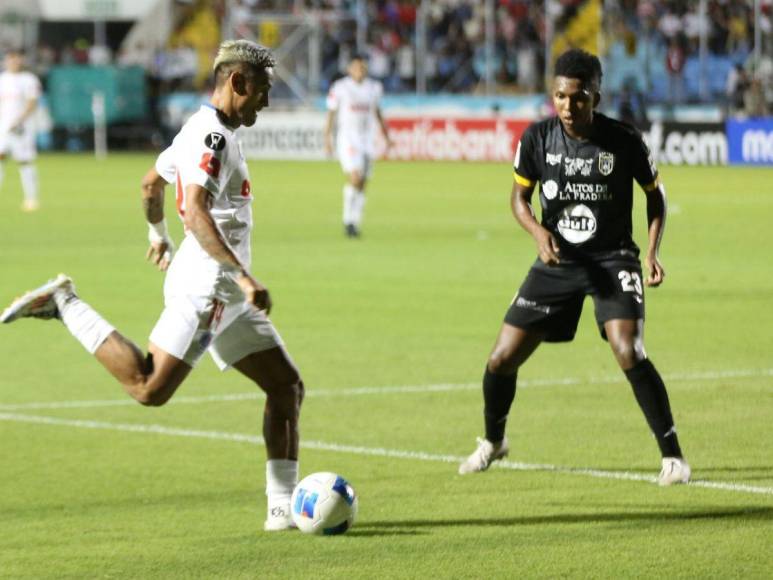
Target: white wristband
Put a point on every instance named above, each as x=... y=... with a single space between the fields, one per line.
x=158 y=232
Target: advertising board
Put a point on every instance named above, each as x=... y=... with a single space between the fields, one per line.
x=301 y=136
x=750 y=142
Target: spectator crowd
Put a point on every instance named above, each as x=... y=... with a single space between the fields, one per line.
x=665 y=50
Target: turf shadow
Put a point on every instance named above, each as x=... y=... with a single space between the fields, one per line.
x=366 y=531
x=746 y=514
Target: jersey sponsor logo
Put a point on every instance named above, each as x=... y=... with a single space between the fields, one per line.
x=215 y=141
x=553 y=159
x=550 y=189
x=585 y=192
x=577 y=224
x=575 y=165
x=606 y=162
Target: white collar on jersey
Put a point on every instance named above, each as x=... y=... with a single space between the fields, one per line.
x=220 y=115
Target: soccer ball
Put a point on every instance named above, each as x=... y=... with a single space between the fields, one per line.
x=324 y=503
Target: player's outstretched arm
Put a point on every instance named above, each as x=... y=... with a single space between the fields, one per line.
x=656 y=220
x=547 y=246
x=199 y=221
x=161 y=245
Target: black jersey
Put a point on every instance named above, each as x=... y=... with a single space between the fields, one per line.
x=586 y=187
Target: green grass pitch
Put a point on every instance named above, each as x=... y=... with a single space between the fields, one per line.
x=391 y=333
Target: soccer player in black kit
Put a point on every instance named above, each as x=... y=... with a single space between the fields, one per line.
x=585 y=164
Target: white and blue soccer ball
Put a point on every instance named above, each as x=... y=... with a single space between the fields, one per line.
x=324 y=503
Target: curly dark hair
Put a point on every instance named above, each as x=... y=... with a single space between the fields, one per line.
x=575 y=63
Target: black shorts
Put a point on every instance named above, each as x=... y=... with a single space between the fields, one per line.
x=551 y=297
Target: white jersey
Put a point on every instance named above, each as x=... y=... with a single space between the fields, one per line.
x=16 y=90
x=206 y=152
x=356 y=105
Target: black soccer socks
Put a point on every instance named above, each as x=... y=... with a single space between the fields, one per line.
x=498 y=395
x=650 y=392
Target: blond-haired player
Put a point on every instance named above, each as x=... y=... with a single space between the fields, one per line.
x=19 y=95
x=354 y=108
x=212 y=301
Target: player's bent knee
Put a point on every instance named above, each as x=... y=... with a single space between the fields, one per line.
x=153 y=393
x=300 y=392
x=501 y=362
x=294 y=394
x=148 y=398
x=628 y=353
x=287 y=399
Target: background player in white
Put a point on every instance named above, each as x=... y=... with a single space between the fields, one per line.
x=19 y=94
x=354 y=108
x=212 y=302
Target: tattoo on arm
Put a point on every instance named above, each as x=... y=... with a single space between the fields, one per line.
x=153 y=207
x=201 y=224
x=153 y=196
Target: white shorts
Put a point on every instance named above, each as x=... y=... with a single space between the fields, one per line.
x=190 y=326
x=354 y=158
x=205 y=310
x=20 y=146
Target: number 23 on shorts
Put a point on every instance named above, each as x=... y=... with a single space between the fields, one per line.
x=630 y=281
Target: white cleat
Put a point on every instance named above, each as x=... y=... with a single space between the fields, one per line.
x=482 y=458
x=38 y=303
x=675 y=470
x=279 y=519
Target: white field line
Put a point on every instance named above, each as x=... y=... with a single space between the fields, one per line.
x=366 y=451
x=405 y=389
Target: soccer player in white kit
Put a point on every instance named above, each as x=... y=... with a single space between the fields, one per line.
x=19 y=94
x=212 y=302
x=354 y=108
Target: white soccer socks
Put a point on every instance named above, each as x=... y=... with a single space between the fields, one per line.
x=83 y=322
x=281 y=479
x=349 y=193
x=358 y=207
x=29 y=183
x=354 y=204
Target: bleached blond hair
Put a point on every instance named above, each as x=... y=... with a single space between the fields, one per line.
x=234 y=52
